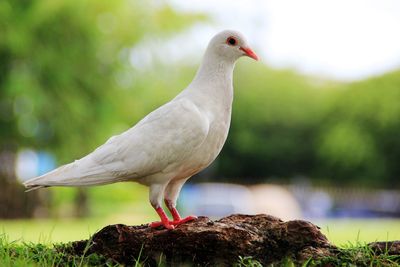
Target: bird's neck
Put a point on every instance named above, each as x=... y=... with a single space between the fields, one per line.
x=213 y=81
x=215 y=70
x=212 y=87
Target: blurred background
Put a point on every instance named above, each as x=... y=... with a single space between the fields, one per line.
x=315 y=126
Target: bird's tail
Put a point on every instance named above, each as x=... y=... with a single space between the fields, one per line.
x=34 y=187
x=53 y=178
x=83 y=172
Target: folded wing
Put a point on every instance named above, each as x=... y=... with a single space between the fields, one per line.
x=168 y=135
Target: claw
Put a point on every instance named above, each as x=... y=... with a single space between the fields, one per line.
x=184 y=220
x=175 y=214
x=167 y=225
x=164 y=220
x=172 y=224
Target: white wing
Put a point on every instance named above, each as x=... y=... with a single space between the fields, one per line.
x=166 y=136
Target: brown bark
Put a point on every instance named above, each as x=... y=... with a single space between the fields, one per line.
x=204 y=242
x=14 y=202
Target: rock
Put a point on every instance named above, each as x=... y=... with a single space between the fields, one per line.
x=202 y=242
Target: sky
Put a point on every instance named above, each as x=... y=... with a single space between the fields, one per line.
x=337 y=39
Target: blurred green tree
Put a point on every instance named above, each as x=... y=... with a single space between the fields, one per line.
x=60 y=65
x=275 y=116
x=359 y=136
x=287 y=125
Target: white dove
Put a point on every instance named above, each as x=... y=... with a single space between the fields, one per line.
x=172 y=143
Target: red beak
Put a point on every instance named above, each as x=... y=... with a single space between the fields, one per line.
x=249 y=52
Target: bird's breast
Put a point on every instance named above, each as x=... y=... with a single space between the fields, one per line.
x=209 y=149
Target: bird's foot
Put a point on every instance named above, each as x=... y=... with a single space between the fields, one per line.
x=184 y=220
x=172 y=224
x=166 y=224
x=164 y=220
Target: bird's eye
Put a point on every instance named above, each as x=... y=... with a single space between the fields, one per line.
x=231 y=41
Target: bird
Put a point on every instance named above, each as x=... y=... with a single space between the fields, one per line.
x=172 y=143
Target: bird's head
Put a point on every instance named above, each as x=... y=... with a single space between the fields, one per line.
x=231 y=45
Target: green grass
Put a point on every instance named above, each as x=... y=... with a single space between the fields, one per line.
x=358 y=255
x=30 y=254
x=342 y=231
x=350 y=255
x=50 y=231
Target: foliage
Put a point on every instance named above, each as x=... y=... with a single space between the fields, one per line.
x=364 y=120
x=62 y=66
x=288 y=125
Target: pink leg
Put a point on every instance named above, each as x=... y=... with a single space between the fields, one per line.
x=175 y=214
x=164 y=220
